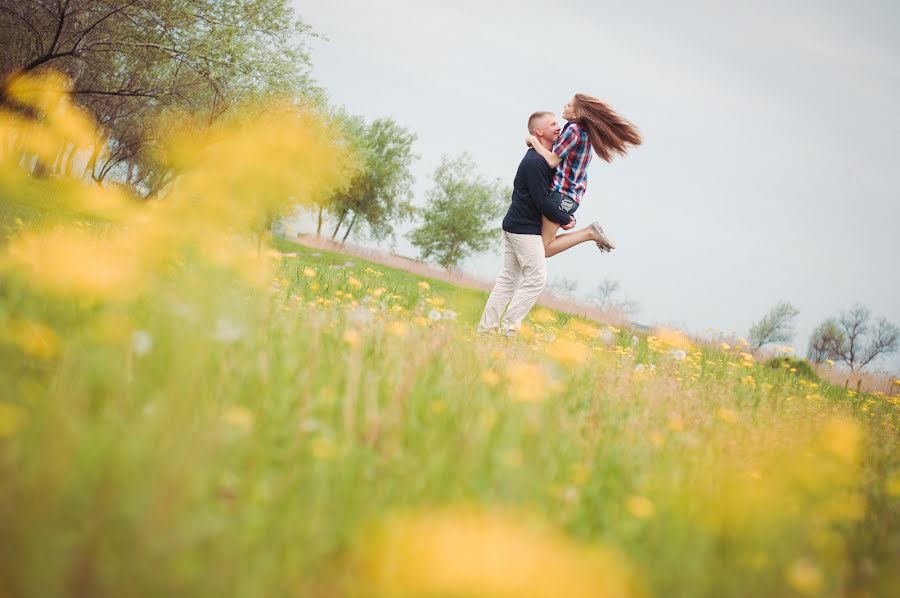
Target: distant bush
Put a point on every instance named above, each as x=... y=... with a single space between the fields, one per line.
x=800 y=367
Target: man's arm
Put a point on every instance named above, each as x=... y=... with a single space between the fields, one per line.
x=537 y=179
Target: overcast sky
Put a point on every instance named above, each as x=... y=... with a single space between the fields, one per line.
x=770 y=164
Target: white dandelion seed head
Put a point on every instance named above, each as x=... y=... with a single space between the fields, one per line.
x=141 y=342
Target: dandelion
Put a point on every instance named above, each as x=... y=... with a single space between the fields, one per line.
x=238 y=417
x=352 y=338
x=373 y=272
x=678 y=354
x=399 y=329
x=34 y=338
x=354 y=282
x=805 y=576
x=724 y=346
x=11 y=418
x=423 y=285
x=529 y=382
x=490 y=377
x=640 y=507
x=378 y=292
x=470 y=552
x=728 y=415
x=568 y=352
x=141 y=342
x=309 y=272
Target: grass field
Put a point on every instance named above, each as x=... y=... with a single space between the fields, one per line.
x=187 y=410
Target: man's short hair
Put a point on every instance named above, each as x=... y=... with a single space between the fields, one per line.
x=534 y=118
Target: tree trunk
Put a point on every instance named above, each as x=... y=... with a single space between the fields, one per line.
x=340 y=222
x=319 y=225
x=349 y=228
x=92 y=161
x=69 y=167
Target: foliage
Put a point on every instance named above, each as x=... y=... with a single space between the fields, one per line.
x=378 y=195
x=133 y=62
x=460 y=212
x=800 y=367
x=777 y=326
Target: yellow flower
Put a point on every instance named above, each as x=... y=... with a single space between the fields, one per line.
x=374 y=272
x=34 y=338
x=397 y=329
x=842 y=436
x=309 y=272
x=529 y=382
x=239 y=417
x=352 y=338
x=490 y=377
x=423 y=285
x=728 y=415
x=470 y=552
x=640 y=507
x=11 y=418
x=724 y=346
x=805 y=576
x=354 y=282
x=568 y=352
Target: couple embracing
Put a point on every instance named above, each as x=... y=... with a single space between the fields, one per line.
x=548 y=188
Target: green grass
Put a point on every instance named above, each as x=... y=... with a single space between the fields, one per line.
x=341 y=430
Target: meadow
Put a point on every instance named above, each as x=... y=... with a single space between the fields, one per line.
x=190 y=408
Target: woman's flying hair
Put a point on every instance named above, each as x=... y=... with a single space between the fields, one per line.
x=608 y=132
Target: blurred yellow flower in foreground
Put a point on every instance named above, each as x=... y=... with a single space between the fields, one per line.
x=309 y=272
x=843 y=437
x=74 y=262
x=34 y=338
x=640 y=507
x=568 y=351
x=354 y=282
x=11 y=418
x=805 y=576
x=673 y=338
x=529 y=382
x=239 y=417
x=423 y=285
x=491 y=554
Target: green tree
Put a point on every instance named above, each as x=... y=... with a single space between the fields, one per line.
x=130 y=61
x=380 y=194
x=459 y=218
x=777 y=326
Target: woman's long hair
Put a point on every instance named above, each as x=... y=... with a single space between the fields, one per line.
x=608 y=132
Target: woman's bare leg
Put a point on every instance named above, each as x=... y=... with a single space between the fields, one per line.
x=554 y=244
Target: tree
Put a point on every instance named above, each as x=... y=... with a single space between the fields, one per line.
x=563 y=287
x=854 y=339
x=131 y=61
x=460 y=213
x=824 y=341
x=777 y=326
x=379 y=195
x=606 y=297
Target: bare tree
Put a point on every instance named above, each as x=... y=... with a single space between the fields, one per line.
x=563 y=287
x=777 y=326
x=854 y=339
x=606 y=296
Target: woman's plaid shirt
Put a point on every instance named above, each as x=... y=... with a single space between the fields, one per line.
x=574 y=148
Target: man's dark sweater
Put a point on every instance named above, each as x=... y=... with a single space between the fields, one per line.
x=531 y=190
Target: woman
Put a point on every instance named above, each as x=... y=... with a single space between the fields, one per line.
x=592 y=124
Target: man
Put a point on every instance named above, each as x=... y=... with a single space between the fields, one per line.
x=524 y=273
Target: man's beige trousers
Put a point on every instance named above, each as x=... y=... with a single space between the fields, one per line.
x=519 y=284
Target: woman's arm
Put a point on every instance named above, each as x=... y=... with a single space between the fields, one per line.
x=552 y=159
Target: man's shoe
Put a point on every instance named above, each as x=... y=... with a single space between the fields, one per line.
x=603 y=243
